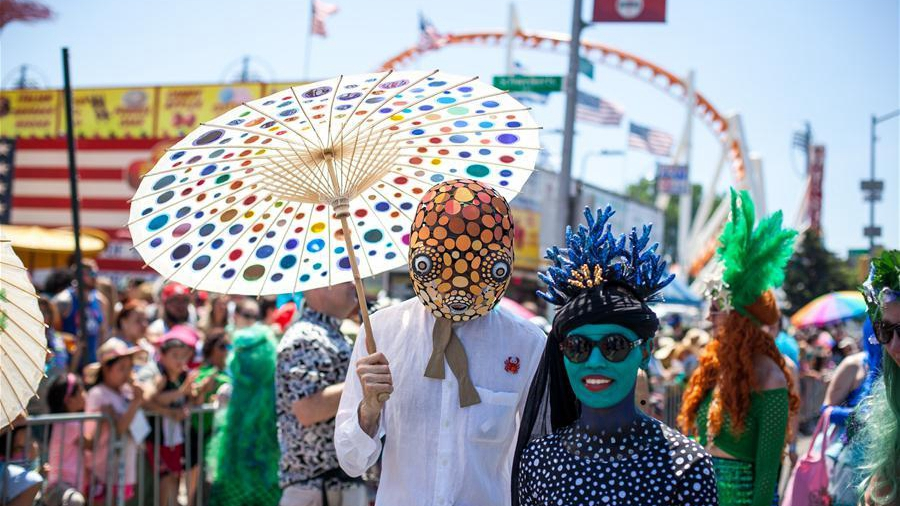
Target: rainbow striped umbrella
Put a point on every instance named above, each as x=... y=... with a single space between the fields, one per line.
x=830 y=308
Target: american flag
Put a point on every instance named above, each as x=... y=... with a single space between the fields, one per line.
x=320 y=13
x=7 y=152
x=108 y=173
x=596 y=110
x=653 y=141
x=429 y=36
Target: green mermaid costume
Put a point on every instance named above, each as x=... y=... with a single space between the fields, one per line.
x=751 y=478
x=244 y=451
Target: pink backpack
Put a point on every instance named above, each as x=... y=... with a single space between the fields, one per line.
x=808 y=485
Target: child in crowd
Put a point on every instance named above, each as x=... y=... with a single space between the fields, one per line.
x=115 y=394
x=65 y=480
x=175 y=392
x=19 y=483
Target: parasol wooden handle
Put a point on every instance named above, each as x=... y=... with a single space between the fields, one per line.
x=360 y=291
x=341 y=208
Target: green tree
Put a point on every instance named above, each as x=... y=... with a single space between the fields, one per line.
x=814 y=271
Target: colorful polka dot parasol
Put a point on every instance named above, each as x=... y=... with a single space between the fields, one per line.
x=22 y=339
x=266 y=198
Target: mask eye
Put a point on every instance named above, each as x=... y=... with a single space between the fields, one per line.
x=422 y=265
x=500 y=270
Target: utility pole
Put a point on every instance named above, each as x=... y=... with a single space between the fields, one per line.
x=872 y=188
x=565 y=171
x=76 y=214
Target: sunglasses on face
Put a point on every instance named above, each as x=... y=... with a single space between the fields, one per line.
x=886 y=331
x=224 y=346
x=613 y=347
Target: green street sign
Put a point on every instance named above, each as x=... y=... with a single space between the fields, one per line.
x=536 y=84
x=585 y=67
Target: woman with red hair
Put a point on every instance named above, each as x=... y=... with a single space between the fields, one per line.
x=739 y=401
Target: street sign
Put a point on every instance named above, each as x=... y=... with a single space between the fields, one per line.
x=585 y=67
x=537 y=84
x=872 y=232
x=672 y=179
x=871 y=185
x=871 y=189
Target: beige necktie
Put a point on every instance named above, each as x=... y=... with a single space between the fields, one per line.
x=447 y=344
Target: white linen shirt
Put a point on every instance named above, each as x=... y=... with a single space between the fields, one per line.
x=436 y=453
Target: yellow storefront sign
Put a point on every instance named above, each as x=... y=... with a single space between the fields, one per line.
x=527 y=238
x=158 y=112
x=114 y=112
x=30 y=113
x=183 y=108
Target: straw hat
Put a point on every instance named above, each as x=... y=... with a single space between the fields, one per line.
x=664 y=347
x=697 y=338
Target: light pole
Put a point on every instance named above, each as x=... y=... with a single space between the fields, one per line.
x=872 y=188
x=564 y=207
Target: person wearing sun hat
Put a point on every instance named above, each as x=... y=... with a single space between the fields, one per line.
x=582 y=440
x=172 y=451
x=115 y=393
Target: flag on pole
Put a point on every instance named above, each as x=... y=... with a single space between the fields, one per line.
x=653 y=141
x=22 y=10
x=596 y=110
x=429 y=36
x=320 y=13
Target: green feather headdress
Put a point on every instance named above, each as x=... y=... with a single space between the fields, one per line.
x=752 y=259
x=883 y=284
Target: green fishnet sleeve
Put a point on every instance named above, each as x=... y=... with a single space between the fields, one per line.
x=771 y=410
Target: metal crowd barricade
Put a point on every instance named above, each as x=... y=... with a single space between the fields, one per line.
x=812 y=395
x=672 y=393
x=36 y=453
x=193 y=486
x=194 y=470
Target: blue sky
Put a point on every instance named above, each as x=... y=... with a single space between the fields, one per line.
x=777 y=63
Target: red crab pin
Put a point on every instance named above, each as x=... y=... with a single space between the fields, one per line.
x=511 y=365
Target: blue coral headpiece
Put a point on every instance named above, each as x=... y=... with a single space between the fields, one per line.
x=593 y=256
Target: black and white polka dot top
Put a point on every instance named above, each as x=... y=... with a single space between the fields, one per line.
x=646 y=464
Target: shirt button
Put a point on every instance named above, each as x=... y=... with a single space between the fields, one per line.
x=446 y=423
x=444 y=463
